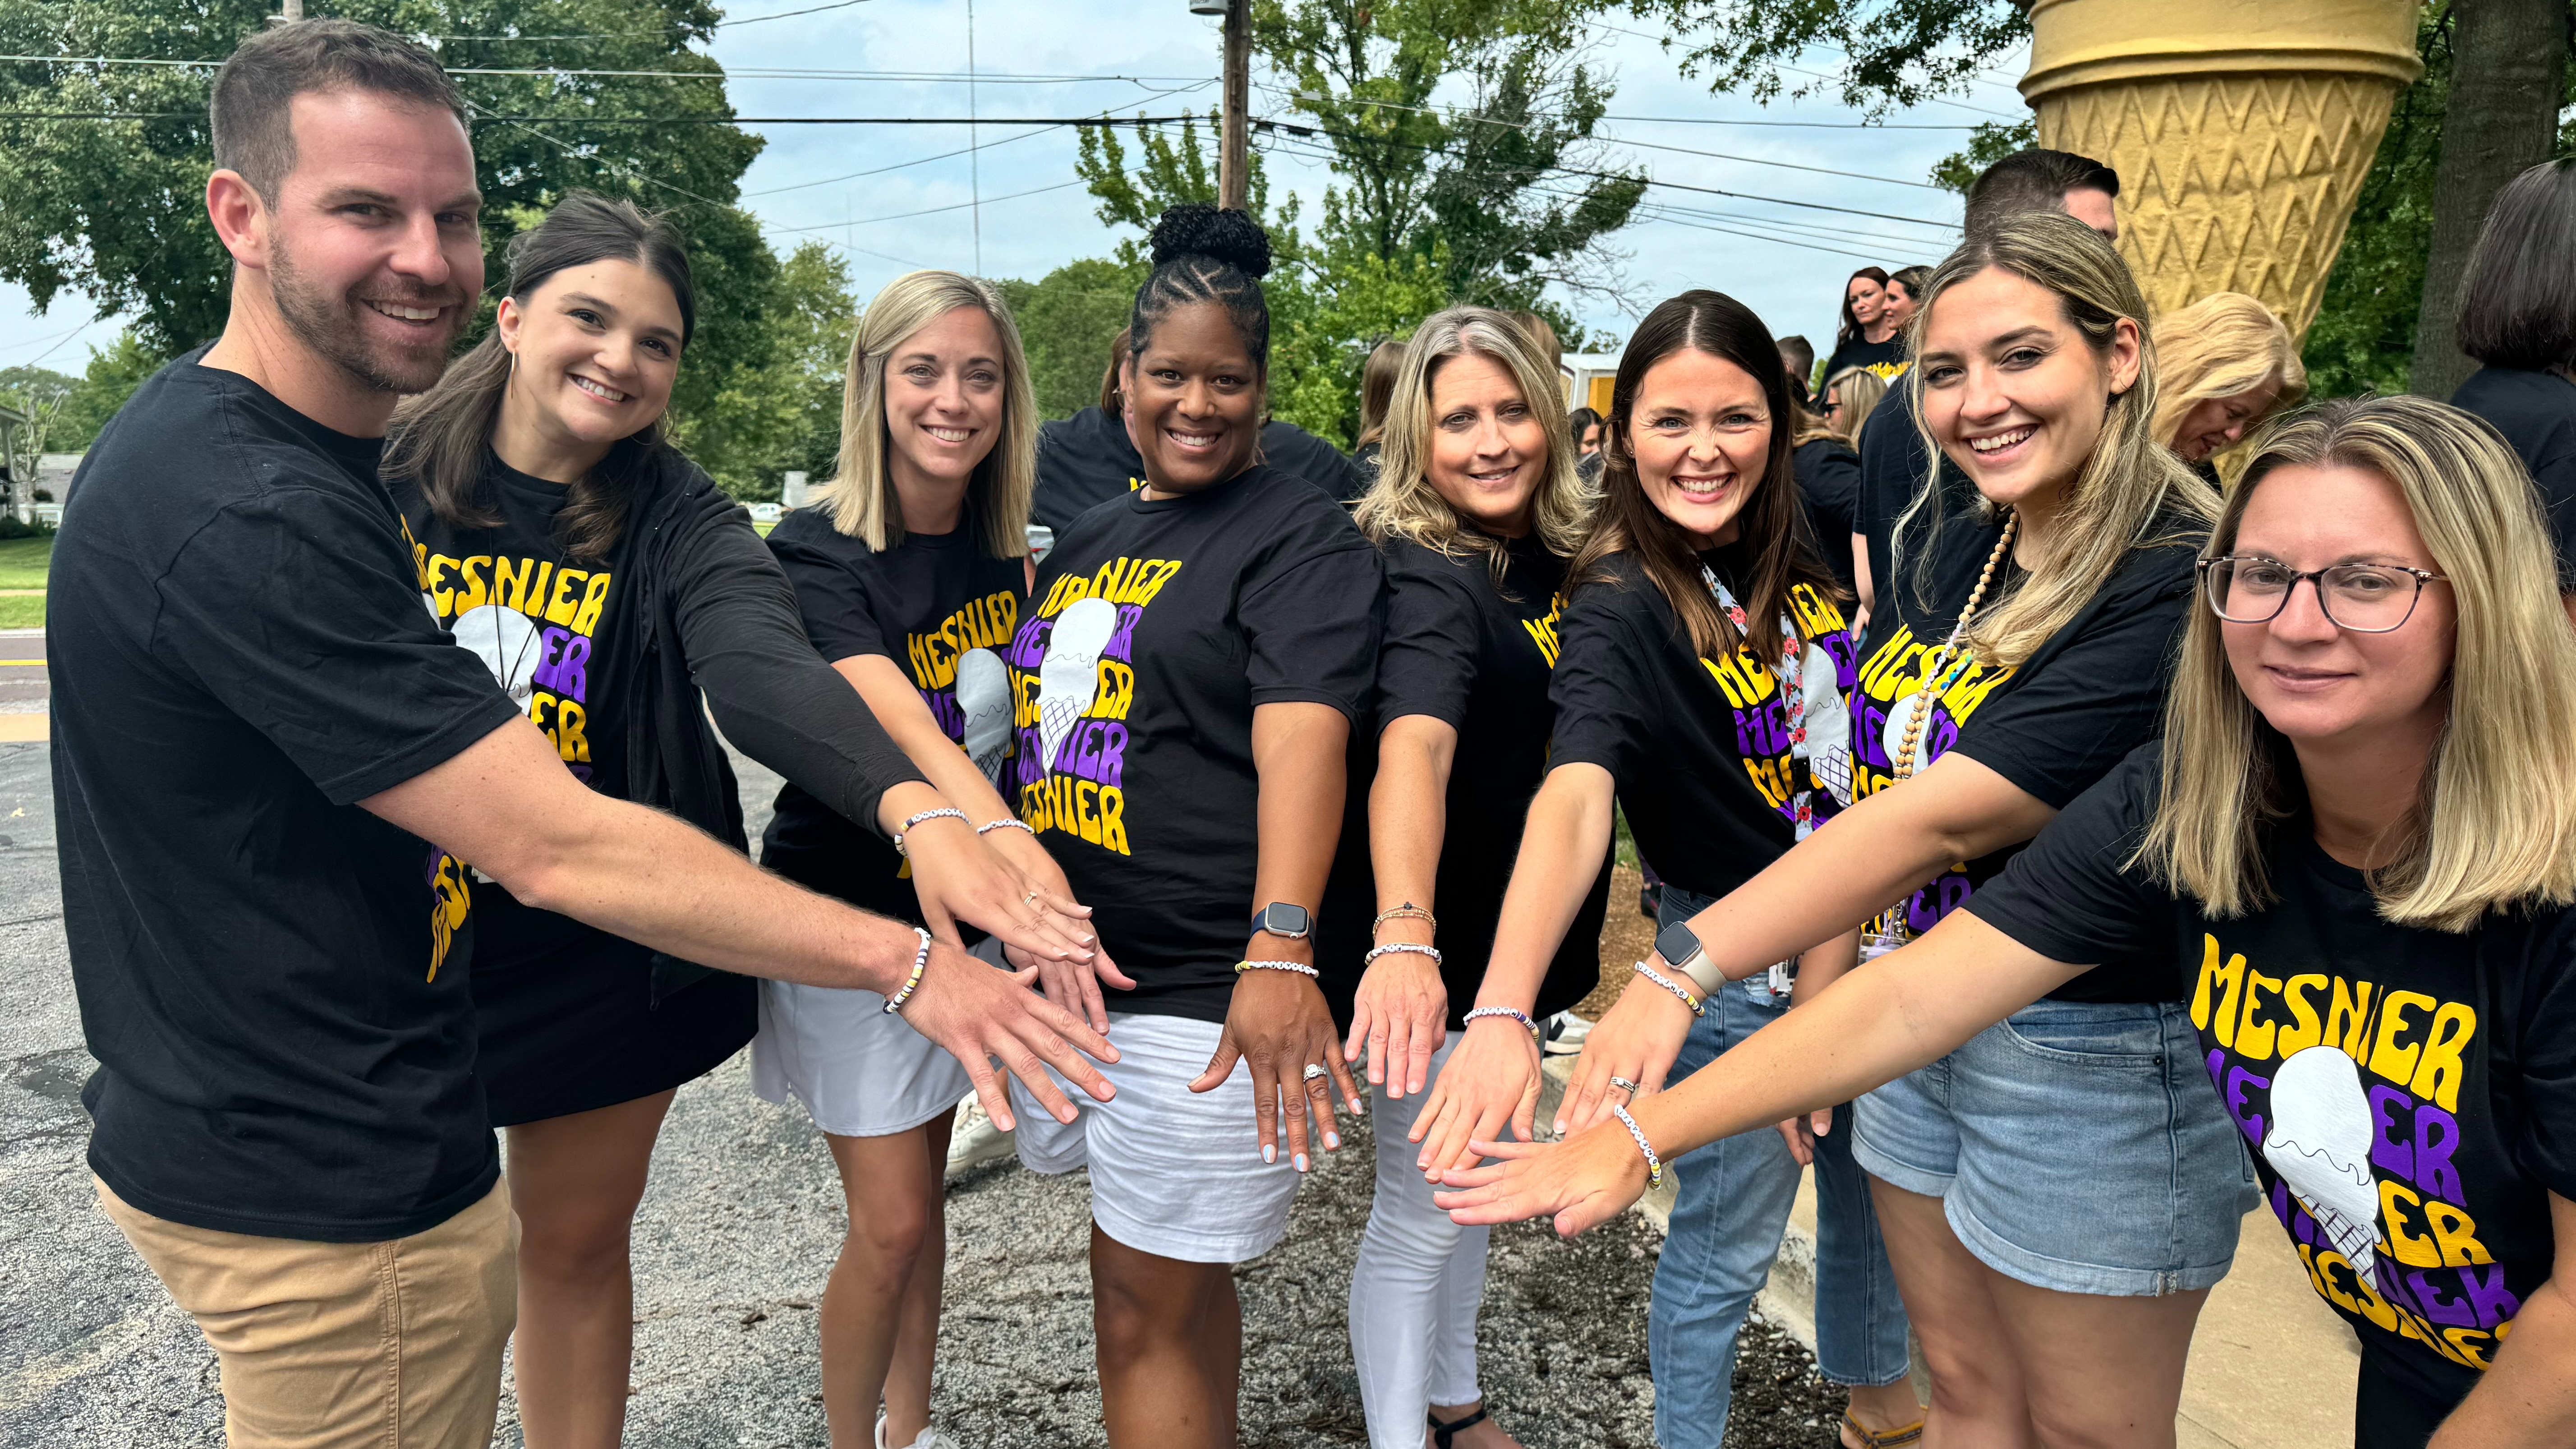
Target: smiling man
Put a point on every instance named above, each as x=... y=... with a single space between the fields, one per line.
x=269 y=759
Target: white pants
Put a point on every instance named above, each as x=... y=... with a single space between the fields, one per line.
x=1415 y=1289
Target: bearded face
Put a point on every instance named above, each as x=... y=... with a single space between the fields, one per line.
x=347 y=325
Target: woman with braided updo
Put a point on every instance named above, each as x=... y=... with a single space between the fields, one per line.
x=1184 y=684
x=2059 y=1194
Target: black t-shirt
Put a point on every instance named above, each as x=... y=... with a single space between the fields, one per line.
x=273 y=980
x=1700 y=748
x=941 y=609
x=1478 y=657
x=2410 y=1095
x=2536 y=412
x=1828 y=474
x=1087 y=459
x=1156 y=628
x=561 y=637
x=2051 y=725
x=1887 y=359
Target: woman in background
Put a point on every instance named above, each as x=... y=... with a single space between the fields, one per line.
x=2227 y=364
x=1850 y=397
x=1377 y=384
x=2518 y=319
x=1867 y=337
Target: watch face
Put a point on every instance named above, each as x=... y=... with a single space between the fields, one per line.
x=1676 y=944
x=1282 y=919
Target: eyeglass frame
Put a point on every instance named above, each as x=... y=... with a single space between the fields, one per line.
x=2316 y=578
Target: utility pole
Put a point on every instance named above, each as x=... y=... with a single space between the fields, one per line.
x=292 y=11
x=1233 y=172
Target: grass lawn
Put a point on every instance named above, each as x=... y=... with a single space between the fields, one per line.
x=22 y=611
x=23 y=562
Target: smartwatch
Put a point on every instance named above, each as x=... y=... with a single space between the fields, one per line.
x=1680 y=948
x=1282 y=919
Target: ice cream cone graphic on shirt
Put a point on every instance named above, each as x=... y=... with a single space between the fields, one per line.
x=984 y=698
x=1069 y=676
x=2320 y=1144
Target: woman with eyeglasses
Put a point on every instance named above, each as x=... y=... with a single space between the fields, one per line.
x=2349 y=856
x=2020 y=648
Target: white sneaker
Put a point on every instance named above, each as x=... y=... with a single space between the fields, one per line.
x=974 y=1140
x=930 y=1438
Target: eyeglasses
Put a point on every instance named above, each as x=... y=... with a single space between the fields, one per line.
x=2361 y=598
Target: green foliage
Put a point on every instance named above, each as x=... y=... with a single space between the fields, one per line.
x=2364 y=337
x=1896 y=53
x=1991 y=142
x=112 y=376
x=785 y=414
x=1066 y=321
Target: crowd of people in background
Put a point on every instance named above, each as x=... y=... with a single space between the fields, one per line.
x=2089 y=794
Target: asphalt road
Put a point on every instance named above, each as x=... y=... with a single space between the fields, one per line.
x=735 y=1235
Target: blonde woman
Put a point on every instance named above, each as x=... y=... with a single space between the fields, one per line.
x=2018 y=652
x=910 y=570
x=2225 y=364
x=1476 y=511
x=1851 y=395
x=2349 y=854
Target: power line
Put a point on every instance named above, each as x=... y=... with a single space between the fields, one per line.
x=927 y=77
x=900 y=165
x=1049 y=122
x=726 y=23
x=934 y=210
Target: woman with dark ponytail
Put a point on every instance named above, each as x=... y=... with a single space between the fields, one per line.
x=618 y=596
x=1184 y=686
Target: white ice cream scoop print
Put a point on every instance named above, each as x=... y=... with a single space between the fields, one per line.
x=2319 y=1142
x=509 y=643
x=984 y=698
x=1069 y=677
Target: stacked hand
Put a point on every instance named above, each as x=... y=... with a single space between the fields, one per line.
x=1582 y=1182
x=1490 y=1082
x=978 y=1014
x=1279 y=1024
x=1635 y=1041
x=1401 y=1015
x=1069 y=982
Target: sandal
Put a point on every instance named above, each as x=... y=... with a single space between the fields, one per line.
x=1444 y=1432
x=1884 y=1439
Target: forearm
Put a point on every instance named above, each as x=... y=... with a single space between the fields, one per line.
x=2529 y=1396
x=916 y=731
x=1822 y=966
x=1562 y=844
x=1409 y=811
x=1865 y=859
x=1297 y=751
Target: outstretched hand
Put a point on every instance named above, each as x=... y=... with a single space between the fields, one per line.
x=1491 y=1082
x=1279 y=1025
x=1637 y=1038
x=960 y=877
x=1070 y=983
x=1581 y=1182
x=1401 y=1017
x=977 y=1014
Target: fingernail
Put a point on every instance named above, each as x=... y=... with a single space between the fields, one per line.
x=1560 y=1126
x=1357 y=1107
x=1301 y=1162
x=1332 y=1142
x=1269 y=1154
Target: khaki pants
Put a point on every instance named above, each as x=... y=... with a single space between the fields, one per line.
x=341 y=1345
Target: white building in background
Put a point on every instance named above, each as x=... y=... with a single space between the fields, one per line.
x=54 y=477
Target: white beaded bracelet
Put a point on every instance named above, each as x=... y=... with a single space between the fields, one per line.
x=1522 y=1017
x=1654 y=1164
x=1406 y=947
x=920 y=959
x=1669 y=984
x=1005 y=823
x=913 y=820
x=1307 y=971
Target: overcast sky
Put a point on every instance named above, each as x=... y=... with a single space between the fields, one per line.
x=1127 y=53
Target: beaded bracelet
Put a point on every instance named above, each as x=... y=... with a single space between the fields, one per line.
x=1005 y=823
x=913 y=820
x=1406 y=947
x=1522 y=1017
x=1407 y=911
x=1654 y=1164
x=920 y=959
x=1242 y=966
x=1669 y=984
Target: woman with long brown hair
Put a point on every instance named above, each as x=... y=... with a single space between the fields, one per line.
x=1702 y=685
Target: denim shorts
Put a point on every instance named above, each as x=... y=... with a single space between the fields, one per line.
x=2075 y=1146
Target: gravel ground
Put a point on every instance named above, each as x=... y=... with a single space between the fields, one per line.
x=735 y=1236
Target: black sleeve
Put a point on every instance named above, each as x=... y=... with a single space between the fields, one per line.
x=1433 y=639
x=2547 y=1053
x=343 y=668
x=2096 y=695
x=831 y=599
x=1313 y=622
x=770 y=693
x=2066 y=896
x=1602 y=682
x=1830 y=481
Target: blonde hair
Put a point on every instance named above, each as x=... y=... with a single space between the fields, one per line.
x=860 y=492
x=2220 y=346
x=2495 y=824
x=1402 y=503
x=1862 y=390
x=2126 y=486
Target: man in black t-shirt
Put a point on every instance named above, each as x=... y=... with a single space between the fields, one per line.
x=258 y=732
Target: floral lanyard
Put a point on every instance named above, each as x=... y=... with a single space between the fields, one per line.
x=1792 y=672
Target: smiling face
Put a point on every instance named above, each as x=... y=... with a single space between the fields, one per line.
x=2218 y=423
x=1488 y=450
x=1193 y=400
x=2313 y=681
x=943 y=401
x=1899 y=306
x=2014 y=393
x=373 y=255
x=596 y=349
x=1700 y=431
x=1866 y=299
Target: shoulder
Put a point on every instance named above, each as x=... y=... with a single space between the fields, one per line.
x=1615 y=586
x=808 y=533
x=2514 y=389
x=2166 y=560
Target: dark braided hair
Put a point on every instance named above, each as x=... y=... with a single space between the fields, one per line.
x=1203 y=254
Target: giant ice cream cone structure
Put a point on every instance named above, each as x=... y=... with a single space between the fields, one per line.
x=2241 y=130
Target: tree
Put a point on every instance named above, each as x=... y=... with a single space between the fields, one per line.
x=785 y=414
x=1895 y=54
x=2364 y=337
x=113 y=207
x=111 y=377
x=1066 y=321
x=37 y=395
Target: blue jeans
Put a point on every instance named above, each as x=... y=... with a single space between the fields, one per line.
x=1732 y=1205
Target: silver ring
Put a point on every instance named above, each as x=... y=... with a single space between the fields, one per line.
x=1623 y=1084
x=1315 y=1072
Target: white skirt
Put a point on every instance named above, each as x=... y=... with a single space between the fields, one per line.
x=860 y=1071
